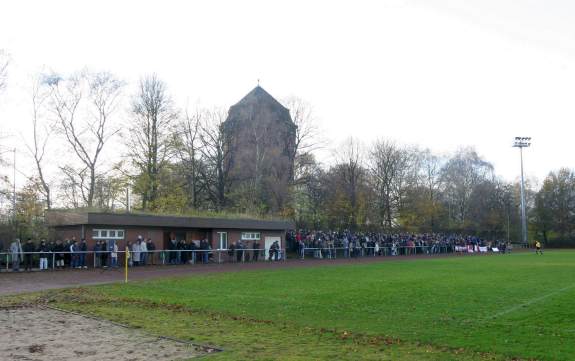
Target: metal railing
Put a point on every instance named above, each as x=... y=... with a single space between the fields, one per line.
x=380 y=251
x=109 y=259
x=356 y=252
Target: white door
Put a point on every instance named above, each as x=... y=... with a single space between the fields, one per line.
x=268 y=243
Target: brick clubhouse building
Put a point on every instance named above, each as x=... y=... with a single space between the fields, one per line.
x=121 y=228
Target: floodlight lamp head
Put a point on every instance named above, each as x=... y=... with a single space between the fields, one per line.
x=522 y=142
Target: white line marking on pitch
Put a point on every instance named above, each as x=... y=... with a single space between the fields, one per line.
x=532 y=301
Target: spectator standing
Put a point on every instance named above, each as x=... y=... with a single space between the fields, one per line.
x=59 y=250
x=193 y=249
x=44 y=250
x=301 y=249
x=82 y=256
x=183 y=247
x=204 y=247
x=67 y=254
x=28 y=249
x=51 y=259
x=114 y=255
x=273 y=251
x=256 y=246
x=136 y=253
x=239 y=251
x=172 y=246
x=143 y=251
x=16 y=254
x=104 y=253
x=179 y=248
x=129 y=249
x=75 y=260
x=98 y=253
x=151 y=247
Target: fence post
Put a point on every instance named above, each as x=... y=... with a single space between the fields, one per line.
x=126 y=257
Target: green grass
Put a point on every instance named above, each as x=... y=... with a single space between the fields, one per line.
x=519 y=306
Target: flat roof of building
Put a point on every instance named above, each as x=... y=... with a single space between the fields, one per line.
x=71 y=218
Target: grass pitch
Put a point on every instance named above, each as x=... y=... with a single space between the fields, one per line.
x=519 y=306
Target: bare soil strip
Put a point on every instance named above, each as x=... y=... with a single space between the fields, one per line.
x=48 y=334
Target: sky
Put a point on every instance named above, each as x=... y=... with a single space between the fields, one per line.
x=439 y=74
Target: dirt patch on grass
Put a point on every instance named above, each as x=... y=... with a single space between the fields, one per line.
x=49 y=334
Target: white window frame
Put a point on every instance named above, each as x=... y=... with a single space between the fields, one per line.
x=101 y=230
x=251 y=236
x=220 y=243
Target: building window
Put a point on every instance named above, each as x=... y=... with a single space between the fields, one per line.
x=107 y=234
x=250 y=236
x=223 y=237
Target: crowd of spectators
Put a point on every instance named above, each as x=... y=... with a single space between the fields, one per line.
x=325 y=244
x=59 y=254
x=72 y=253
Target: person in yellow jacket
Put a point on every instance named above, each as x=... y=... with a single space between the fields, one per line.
x=538 y=247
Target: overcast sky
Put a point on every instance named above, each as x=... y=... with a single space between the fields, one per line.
x=441 y=74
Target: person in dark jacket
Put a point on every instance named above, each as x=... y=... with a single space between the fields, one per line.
x=51 y=256
x=172 y=247
x=44 y=252
x=274 y=251
x=193 y=253
x=204 y=246
x=105 y=254
x=98 y=253
x=28 y=250
x=182 y=254
x=256 y=247
x=74 y=254
x=59 y=250
x=67 y=254
x=151 y=248
x=82 y=256
x=239 y=251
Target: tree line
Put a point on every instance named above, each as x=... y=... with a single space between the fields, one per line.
x=169 y=159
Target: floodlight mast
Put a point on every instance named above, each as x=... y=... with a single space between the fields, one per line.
x=522 y=142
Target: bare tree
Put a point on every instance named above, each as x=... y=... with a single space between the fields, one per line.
x=41 y=133
x=83 y=105
x=460 y=175
x=71 y=186
x=111 y=189
x=393 y=170
x=216 y=147
x=350 y=168
x=431 y=178
x=151 y=142
x=187 y=148
x=307 y=135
